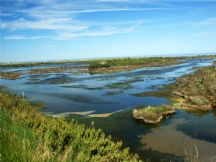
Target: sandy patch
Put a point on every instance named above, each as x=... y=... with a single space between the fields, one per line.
x=100 y=115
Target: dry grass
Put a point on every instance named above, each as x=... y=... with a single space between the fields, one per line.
x=10 y=75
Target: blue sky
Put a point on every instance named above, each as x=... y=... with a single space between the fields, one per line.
x=36 y=30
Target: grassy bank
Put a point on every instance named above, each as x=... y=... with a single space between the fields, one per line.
x=193 y=92
x=197 y=90
x=28 y=135
x=125 y=64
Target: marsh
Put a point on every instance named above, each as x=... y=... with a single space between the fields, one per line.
x=112 y=96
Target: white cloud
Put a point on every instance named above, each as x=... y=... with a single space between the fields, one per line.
x=108 y=29
x=62 y=18
x=23 y=37
x=42 y=24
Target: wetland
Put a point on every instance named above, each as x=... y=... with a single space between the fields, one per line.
x=105 y=99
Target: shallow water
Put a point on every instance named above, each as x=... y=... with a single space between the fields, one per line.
x=71 y=91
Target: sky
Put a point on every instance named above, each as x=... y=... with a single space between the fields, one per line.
x=40 y=30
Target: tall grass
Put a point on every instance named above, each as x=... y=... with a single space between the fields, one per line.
x=18 y=143
x=27 y=135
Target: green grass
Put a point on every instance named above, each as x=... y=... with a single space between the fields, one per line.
x=28 y=135
x=147 y=61
x=132 y=61
x=18 y=142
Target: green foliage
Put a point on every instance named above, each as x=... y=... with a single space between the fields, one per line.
x=156 y=110
x=150 y=61
x=17 y=143
x=58 y=139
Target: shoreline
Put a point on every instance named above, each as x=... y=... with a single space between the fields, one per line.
x=90 y=114
x=89 y=60
x=183 y=95
x=99 y=66
x=126 y=68
x=53 y=138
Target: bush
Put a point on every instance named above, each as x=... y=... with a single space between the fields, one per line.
x=57 y=139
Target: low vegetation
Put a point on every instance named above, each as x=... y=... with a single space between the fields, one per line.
x=48 y=70
x=21 y=64
x=24 y=64
x=27 y=135
x=197 y=90
x=10 y=75
x=17 y=75
x=152 y=115
x=88 y=61
x=98 y=66
x=125 y=64
x=45 y=70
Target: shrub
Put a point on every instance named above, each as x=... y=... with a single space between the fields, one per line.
x=58 y=139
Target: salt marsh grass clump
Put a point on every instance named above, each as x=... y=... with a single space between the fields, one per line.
x=153 y=115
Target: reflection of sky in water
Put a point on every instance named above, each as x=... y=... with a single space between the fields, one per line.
x=103 y=93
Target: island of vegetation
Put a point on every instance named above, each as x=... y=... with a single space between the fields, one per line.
x=196 y=91
x=192 y=92
x=27 y=135
x=10 y=75
x=153 y=114
x=126 y=64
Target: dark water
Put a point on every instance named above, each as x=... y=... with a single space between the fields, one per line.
x=71 y=91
